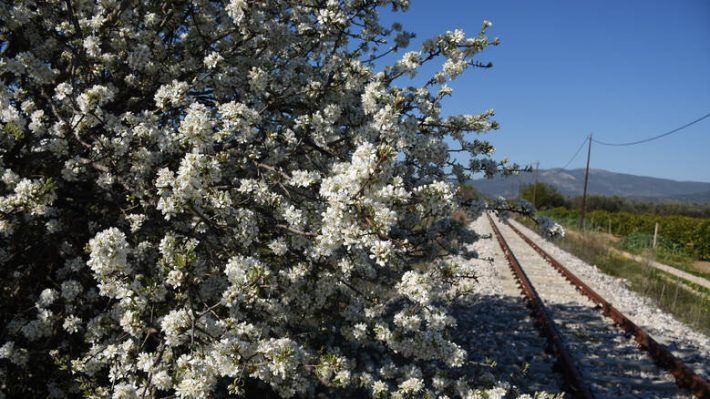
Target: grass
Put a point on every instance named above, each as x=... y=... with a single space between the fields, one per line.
x=687 y=302
x=666 y=251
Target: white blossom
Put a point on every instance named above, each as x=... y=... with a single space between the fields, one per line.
x=212 y=59
x=47 y=297
x=171 y=95
x=125 y=391
x=196 y=128
x=410 y=62
x=550 y=228
x=173 y=326
x=236 y=9
x=413 y=287
x=95 y=97
x=109 y=252
x=136 y=220
x=411 y=386
x=293 y=216
x=254 y=200
x=303 y=178
x=71 y=324
x=62 y=91
x=278 y=246
x=13 y=353
x=237 y=269
x=175 y=278
x=91 y=44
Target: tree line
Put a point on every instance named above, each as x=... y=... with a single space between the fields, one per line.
x=546 y=196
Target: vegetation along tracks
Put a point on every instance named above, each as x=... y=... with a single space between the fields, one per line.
x=597 y=358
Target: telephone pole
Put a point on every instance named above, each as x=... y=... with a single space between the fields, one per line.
x=586 y=180
x=537 y=168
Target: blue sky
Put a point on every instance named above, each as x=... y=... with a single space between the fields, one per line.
x=623 y=70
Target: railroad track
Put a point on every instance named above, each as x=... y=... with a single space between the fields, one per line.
x=599 y=357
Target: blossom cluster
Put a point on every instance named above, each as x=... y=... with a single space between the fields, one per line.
x=203 y=198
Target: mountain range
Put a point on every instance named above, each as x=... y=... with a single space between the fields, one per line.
x=601 y=182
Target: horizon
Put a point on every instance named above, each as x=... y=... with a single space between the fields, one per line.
x=603 y=170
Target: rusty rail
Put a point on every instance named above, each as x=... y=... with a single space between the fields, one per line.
x=685 y=377
x=574 y=379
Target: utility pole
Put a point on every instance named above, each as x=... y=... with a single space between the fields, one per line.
x=586 y=180
x=537 y=168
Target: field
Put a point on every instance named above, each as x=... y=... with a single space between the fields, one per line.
x=680 y=237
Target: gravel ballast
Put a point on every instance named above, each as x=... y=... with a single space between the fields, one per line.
x=495 y=328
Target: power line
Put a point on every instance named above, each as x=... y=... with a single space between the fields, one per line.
x=575 y=154
x=655 y=137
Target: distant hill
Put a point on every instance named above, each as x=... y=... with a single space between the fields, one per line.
x=571 y=183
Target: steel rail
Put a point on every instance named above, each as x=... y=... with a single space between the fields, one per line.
x=684 y=376
x=572 y=376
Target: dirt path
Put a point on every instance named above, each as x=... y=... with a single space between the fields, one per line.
x=668 y=269
x=660 y=266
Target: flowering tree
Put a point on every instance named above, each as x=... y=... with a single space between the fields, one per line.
x=202 y=197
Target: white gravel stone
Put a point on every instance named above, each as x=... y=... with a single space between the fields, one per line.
x=495 y=328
